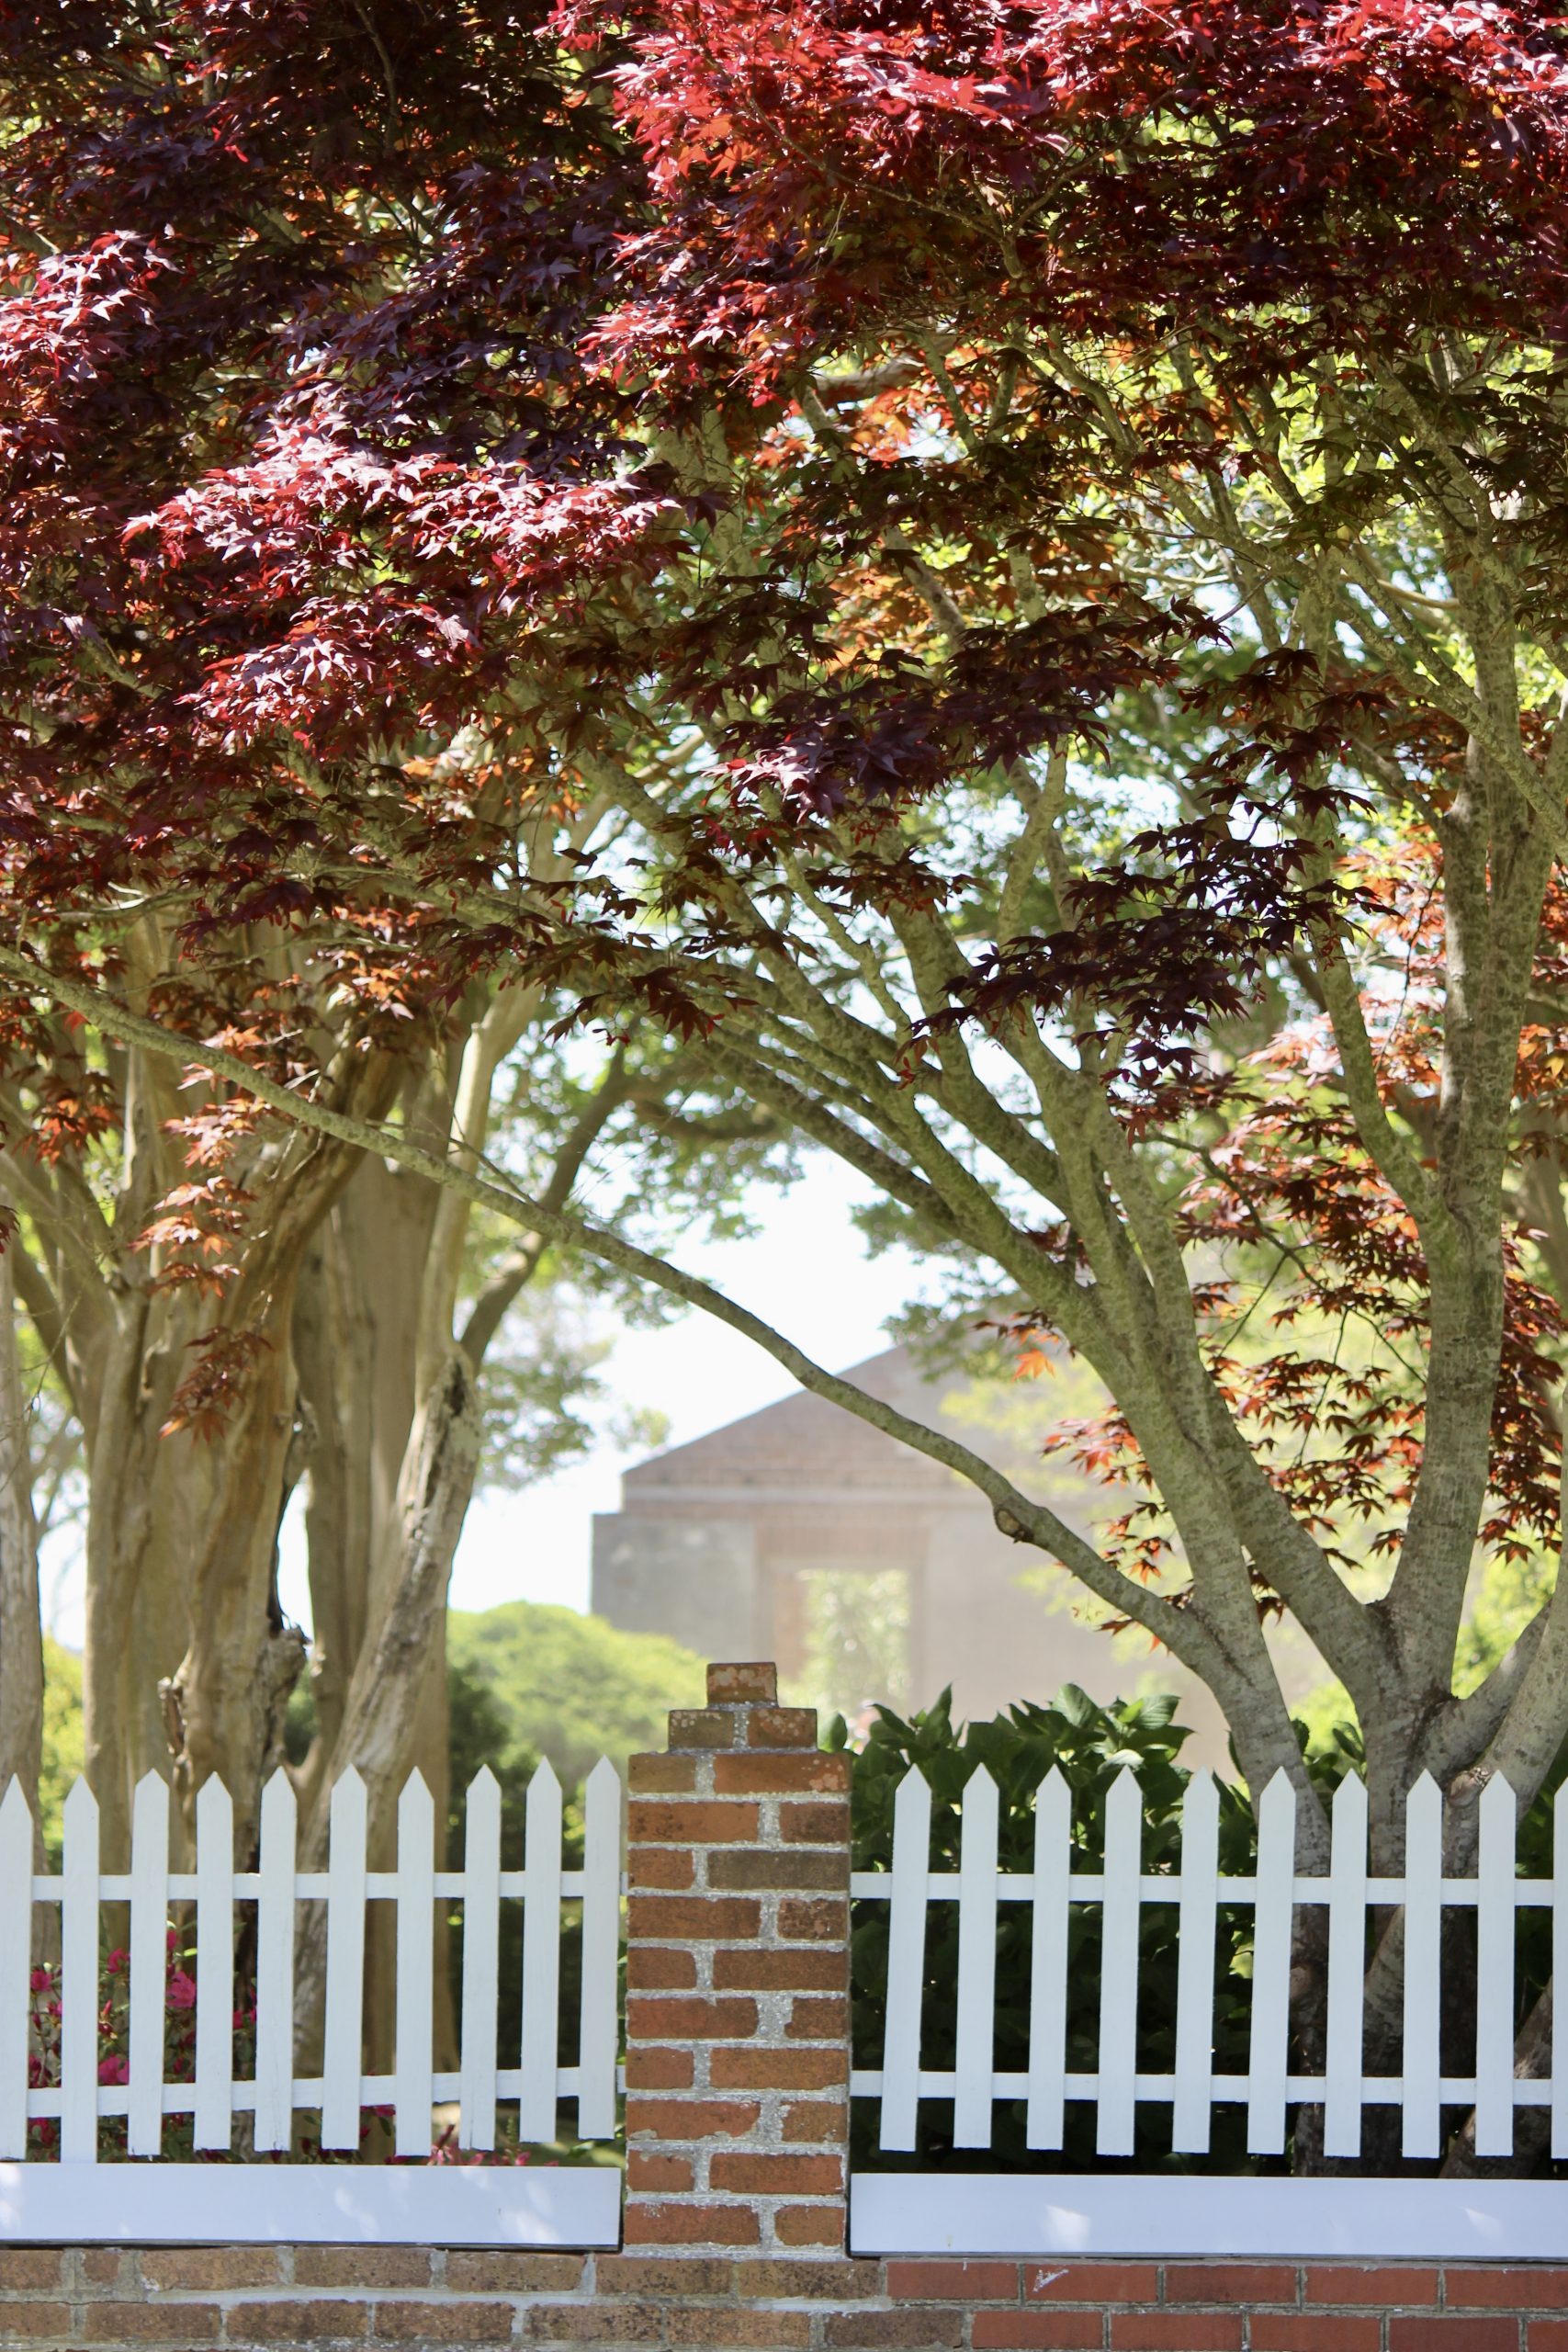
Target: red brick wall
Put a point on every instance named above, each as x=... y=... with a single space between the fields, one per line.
x=283 y=2296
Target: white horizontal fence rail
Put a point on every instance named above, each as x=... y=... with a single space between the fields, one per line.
x=1198 y=1892
x=271 y=2094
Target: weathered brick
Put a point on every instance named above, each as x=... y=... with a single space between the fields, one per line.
x=810 y=2225
x=32 y=2323
x=674 y=2224
x=748 y=1773
x=760 y=1971
x=651 y=2018
x=670 y=1866
x=364 y=2266
x=1547 y=2335
x=819 y=2021
x=702 y=1727
x=209 y=2266
x=903 y=2330
x=750 y=1682
x=105 y=2266
x=822 y=1919
x=658 y=2070
x=652 y=2172
x=814 y=1824
x=651 y=1969
x=1036 y=2331
x=815 y=2118
x=782 y=1727
x=778 y=2070
x=703 y=1821
x=512 y=2270
x=443 y=2322
x=595 y=2323
x=801 y=1870
x=25 y=2267
x=704 y=1918
x=1314 y=2332
x=1230 y=2282
x=658 y=2273
x=1192 y=2331
x=116 y=2322
x=1354 y=2284
x=686 y=2324
x=1092 y=2282
x=1452 y=2332
x=324 y=2321
x=841 y=2282
x=953 y=2282
x=650 y=1776
x=754 y=2174
x=690 y=2118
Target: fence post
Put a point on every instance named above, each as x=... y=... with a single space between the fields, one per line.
x=737 y=2049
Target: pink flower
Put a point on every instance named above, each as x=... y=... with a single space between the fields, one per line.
x=42 y=1979
x=182 y=1990
x=115 y=1960
x=113 y=2070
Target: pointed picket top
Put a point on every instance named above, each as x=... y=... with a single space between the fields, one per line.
x=213 y=1807
x=603 y=1776
x=348 y=1790
x=1349 y=1813
x=1498 y=1802
x=79 y=1804
x=1124 y=1802
x=416 y=1804
x=544 y=1777
x=1203 y=1795
x=14 y=1802
x=484 y=1779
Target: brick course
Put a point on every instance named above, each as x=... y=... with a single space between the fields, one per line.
x=215 y=2296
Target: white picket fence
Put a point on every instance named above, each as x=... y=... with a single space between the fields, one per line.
x=274 y=2093
x=1191 y=2091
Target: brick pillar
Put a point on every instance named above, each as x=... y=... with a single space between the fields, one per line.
x=737 y=2051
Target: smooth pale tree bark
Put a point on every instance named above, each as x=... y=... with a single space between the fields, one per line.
x=21 y=1630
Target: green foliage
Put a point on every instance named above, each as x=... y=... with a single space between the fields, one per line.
x=62 y=1744
x=1088 y=1745
x=568 y=1687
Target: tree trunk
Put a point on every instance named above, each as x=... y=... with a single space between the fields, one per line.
x=388 y=1694
x=22 y=1633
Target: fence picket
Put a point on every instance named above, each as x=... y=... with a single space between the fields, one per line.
x=416 y=1967
x=16 y=1966
x=601 y=1944
x=541 y=1957
x=1494 y=1925
x=1048 y=1963
x=148 y=1963
x=344 y=2024
x=1197 y=1929
x=1347 y=1969
x=1559 y=1976
x=1422 y=2121
x=79 y=1978
x=905 y=1960
x=975 y=2052
x=1273 y=1919
x=274 y=2128
x=481 y=1960
x=1119 y=1967
x=213 y=2122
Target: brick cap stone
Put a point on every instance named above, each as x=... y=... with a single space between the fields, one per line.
x=756 y=1682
